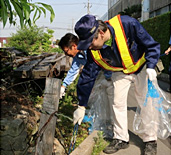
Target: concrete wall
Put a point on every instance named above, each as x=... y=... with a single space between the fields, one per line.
x=157 y=4
x=122 y=4
x=126 y=3
x=114 y=9
x=104 y=17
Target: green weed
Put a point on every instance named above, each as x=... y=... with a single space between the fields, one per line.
x=100 y=144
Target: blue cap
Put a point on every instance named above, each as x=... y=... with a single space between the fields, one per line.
x=85 y=29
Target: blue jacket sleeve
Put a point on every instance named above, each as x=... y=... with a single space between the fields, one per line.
x=72 y=73
x=86 y=80
x=151 y=47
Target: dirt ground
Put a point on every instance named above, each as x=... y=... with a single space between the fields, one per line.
x=12 y=98
x=13 y=102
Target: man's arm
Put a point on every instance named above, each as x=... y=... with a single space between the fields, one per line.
x=86 y=80
x=169 y=48
x=71 y=76
x=152 y=48
x=72 y=73
x=84 y=87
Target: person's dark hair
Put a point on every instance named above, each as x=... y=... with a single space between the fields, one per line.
x=102 y=26
x=68 y=40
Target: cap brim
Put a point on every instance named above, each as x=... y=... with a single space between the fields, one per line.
x=84 y=44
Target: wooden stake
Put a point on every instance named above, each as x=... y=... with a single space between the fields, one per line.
x=50 y=105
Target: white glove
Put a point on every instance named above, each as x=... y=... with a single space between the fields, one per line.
x=151 y=74
x=62 y=92
x=79 y=115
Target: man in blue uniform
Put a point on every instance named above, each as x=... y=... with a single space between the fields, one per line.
x=123 y=46
x=68 y=44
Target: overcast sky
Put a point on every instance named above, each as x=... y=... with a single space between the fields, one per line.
x=67 y=13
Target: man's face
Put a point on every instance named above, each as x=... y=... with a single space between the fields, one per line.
x=97 y=42
x=71 y=51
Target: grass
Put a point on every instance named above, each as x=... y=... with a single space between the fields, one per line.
x=65 y=127
x=100 y=144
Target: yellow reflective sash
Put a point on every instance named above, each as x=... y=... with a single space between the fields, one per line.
x=129 y=65
x=101 y=62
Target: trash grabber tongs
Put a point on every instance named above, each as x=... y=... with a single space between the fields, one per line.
x=73 y=139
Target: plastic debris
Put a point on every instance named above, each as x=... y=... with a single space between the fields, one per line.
x=154 y=115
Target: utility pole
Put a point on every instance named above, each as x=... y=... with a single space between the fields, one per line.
x=145 y=10
x=88 y=7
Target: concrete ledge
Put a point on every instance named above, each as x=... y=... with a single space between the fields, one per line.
x=86 y=147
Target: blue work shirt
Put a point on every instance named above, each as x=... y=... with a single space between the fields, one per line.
x=79 y=60
x=138 y=41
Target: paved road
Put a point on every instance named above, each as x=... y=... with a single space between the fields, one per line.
x=136 y=144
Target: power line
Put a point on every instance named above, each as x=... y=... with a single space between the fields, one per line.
x=67 y=4
x=99 y=4
x=61 y=28
x=95 y=9
x=76 y=4
x=89 y=5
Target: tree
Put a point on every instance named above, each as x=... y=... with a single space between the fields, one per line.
x=31 y=40
x=9 y=9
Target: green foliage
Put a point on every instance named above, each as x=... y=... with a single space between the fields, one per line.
x=57 y=50
x=82 y=133
x=67 y=105
x=31 y=40
x=50 y=31
x=100 y=144
x=159 y=28
x=71 y=93
x=23 y=8
x=36 y=99
x=133 y=11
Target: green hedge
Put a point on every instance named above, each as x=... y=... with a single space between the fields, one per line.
x=160 y=29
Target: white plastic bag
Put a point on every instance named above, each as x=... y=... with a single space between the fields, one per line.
x=155 y=113
x=99 y=110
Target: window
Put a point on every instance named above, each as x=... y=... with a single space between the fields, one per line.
x=4 y=41
x=112 y=2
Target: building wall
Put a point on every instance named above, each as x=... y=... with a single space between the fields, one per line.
x=104 y=17
x=120 y=5
x=114 y=9
x=157 y=4
x=157 y=7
